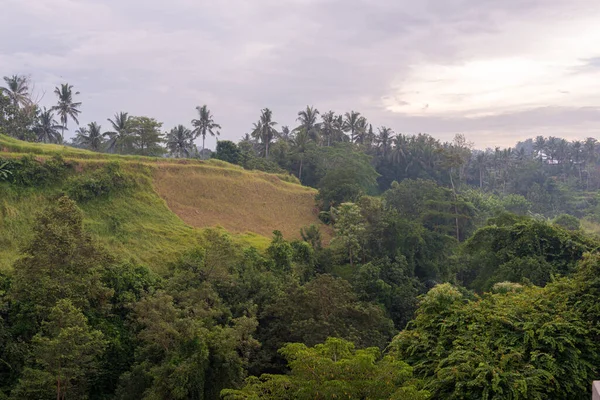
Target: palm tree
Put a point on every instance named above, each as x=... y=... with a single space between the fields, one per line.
x=352 y=123
x=264 y=129
x=383 y=139
x=17 y=90
x=204 y=124
x=90 y=137
x=328 y=126
x=180 y=141
x=285 y=134
x=481 y=161
x=47 y=128
x=66 y=108
x=539 y=145
x=120 y=133
x=308 y=122
x=300 y=144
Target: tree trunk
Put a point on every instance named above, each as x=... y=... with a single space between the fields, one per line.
x=267 y=149
x=480 y=178
x=455 y=206
x=300 y=171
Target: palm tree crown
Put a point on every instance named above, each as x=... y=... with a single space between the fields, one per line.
x=308 y=122
x=180 y=141
x=264 y=129
x=205 y=124
x=47 y=128
x=353 y=123
x=17 y=90
x=384 y=138
x=120 y=132
x=66 y=107
x=90 y=137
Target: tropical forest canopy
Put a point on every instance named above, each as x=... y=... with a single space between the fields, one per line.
x=438 y=272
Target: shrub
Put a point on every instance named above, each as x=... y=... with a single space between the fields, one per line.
x=28 y=171
x=102 y=182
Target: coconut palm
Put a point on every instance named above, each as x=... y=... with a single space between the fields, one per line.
x=180 y=141
x=384 y=139
x=90 y=137
x=264 y=130
x=47 y=128
x=308 y=122
x=17 y=90
x=328 y=126
x=66 y=107
x=300 y=145
x=205 y=124
x=353 y=123
x=120 y=133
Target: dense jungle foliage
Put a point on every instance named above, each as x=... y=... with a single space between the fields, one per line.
x=452 y=273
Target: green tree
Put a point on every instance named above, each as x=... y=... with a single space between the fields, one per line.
x=300 y=145
x=228 y=151
x=47 y=128
x=66 y=107
x=180 y=141
x=146 y=135
x=119 y=138
x=281 y=252
x=91 y=137
x=308 y=123
x=17 y=90
x=60 y=262
x=264 y=130
x=350 y=228
x=205 y=124
x=334 y=369
x=520 y=343
x=513 y=249
x=352 y=124
x=65 y=352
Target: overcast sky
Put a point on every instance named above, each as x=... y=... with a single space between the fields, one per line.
x=496 y=70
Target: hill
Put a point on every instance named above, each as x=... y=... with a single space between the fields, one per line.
x=165 y=212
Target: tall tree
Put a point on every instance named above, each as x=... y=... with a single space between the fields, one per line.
x=66 y=107
x=328 y=126
x=47 y=128
x=300 y=144
x=17 y=90
x=205 y=124
x=384 y=140
x=352 y=122
x=180 y=141
x=350 y=228
x=308 y=122
x=264 y=130
x=65 y=351
x=120 y=136
x=90 y=137
x=147 y=135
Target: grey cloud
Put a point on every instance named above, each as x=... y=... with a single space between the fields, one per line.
x=164 y=58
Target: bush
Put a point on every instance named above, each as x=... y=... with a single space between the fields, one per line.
x=29 y=171
x=107 y=180
x=568 y=222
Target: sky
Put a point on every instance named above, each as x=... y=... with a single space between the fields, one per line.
x=497 y=71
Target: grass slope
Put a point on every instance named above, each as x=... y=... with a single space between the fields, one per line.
x=168 y=211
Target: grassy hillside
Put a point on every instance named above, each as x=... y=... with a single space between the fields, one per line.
x=167 y=210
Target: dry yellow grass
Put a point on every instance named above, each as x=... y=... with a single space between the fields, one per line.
x=237 y=200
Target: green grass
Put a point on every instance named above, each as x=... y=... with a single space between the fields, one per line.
x=138 y=223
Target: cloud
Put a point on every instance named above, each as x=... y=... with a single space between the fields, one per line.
x=496 y=71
